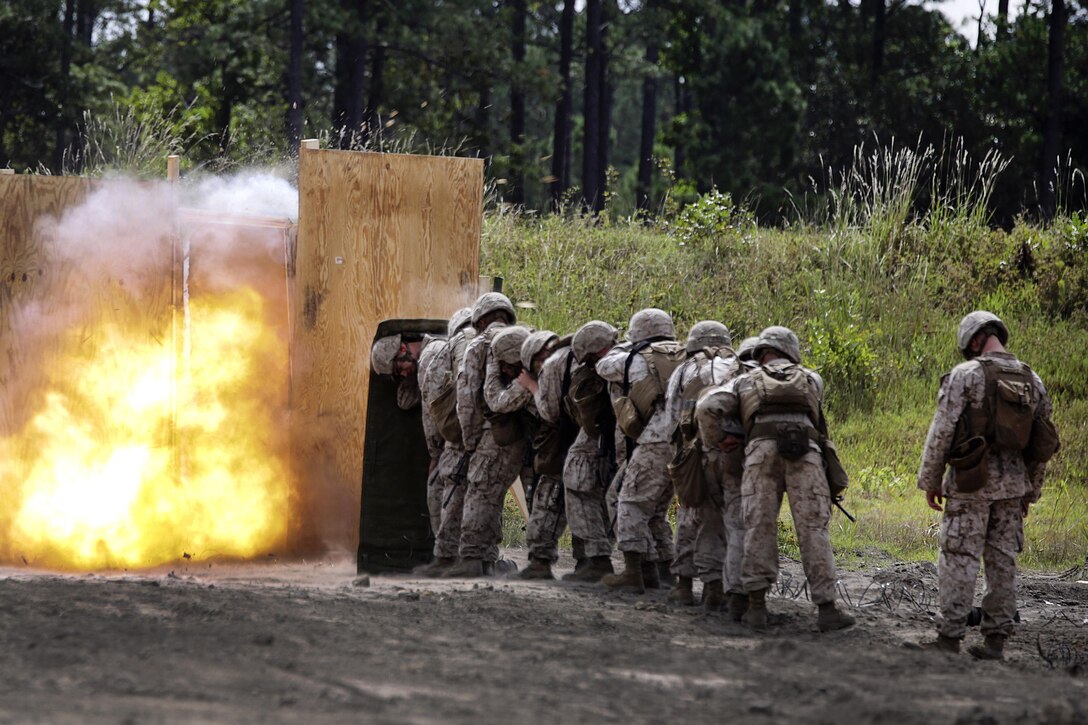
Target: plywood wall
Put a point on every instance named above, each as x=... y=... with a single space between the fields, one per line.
x=29 y=208
x=380 y=236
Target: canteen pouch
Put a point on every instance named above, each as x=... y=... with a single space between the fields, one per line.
x=968 y=460
x=688 y=476
x=792 y=439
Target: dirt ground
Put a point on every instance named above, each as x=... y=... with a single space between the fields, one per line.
x=304 y=642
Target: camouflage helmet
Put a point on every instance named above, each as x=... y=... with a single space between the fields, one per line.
x=708 y=333
x=533 y=344
x=780 y=339
x=383 y=354
x=458 y=320
x=648 y=323
x=490 y=302
x=973 y=323
x=506 y=346
x=592 y=337
x=746 y=347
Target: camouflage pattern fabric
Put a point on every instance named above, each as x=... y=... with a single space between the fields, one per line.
x=548 y=519
x=586 y=511
x=970 y=529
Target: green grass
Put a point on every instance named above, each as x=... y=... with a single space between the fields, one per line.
x=875 y=288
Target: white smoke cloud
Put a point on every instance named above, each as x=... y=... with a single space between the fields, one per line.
x=250 y=193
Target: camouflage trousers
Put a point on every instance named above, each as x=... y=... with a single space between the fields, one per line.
x=767 y=476
x=547 y=520
x=972 y=529
x=586 y=512
x=491 y=471
x=451 y=486
x=688 y=522
x=644 y=493
x=719 y=542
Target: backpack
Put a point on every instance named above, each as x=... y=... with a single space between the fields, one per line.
x=781 y=389
x=635 y=407
x=690 y=392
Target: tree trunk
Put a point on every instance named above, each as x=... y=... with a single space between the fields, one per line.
x=372 y=122
x=65 y=81
x=349 y=93
x=86 y=14
x=683 y=108
x=563 y=108
x=604 y=127
x=294 y=78
x=592 y=106
x=517 y=105
x=879 y=36
x=1002 y=18
x=649 y=129
x=1052 y=131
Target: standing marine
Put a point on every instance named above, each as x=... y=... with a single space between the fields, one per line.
x=992 y=430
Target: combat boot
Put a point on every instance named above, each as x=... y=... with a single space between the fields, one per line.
x=537 y=569
x=832 y=618
x=681 y=593
x=595 y=568
x=630 y=579
x=651 y=575
x=738 y=605
x=713 y=596
x=664 y=573
x=993 y=648
x=465 y=569
x=756 y=616
x=943 y=644
x=435 y=568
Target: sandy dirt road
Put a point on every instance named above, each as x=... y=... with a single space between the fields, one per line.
x=300 y=642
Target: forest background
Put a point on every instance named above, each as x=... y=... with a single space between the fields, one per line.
x=863 y=173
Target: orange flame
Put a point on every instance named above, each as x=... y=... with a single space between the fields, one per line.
x=133 y=461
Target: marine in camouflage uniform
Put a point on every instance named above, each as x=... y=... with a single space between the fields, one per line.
x=986 y=523
x=768 y=474
x=701 y=533
x=545 y=367
x=445 y=488
x=492 y=468
x=644 y=492
x=591 y=459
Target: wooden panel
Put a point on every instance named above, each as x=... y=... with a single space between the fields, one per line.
x=380 y=236
x=29 y=209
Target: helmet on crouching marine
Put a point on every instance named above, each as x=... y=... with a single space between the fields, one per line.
x=708 y=333
x=746 y=347
x=490 y=302
x=974 y=323
x=507 y=344
x=780 y=339
x=533 y=344
x=383 y=354
x=591 y=338
x=458 y=320
x=650 y=323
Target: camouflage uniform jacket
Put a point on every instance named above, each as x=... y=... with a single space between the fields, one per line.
x=549 y=394
x=503 y=397
x=471 y=408
x=431 y=380
x=1008 y=475
x=610 y=368
x=712 y=371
